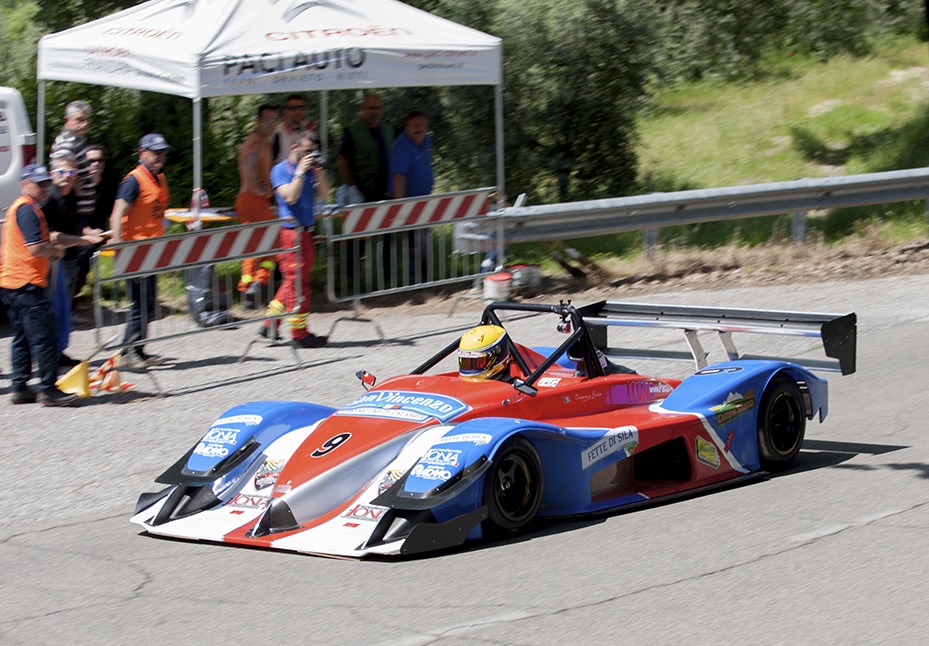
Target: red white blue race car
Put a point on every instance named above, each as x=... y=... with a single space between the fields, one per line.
x=427 y=461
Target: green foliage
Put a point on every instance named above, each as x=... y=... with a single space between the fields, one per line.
x=577 y=74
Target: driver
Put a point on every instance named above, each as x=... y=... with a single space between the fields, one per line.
x=484 y=353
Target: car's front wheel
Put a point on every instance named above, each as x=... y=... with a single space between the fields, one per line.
x=513 y=487
x=781 y=424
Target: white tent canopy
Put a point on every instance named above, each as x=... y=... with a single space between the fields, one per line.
x=206 y=48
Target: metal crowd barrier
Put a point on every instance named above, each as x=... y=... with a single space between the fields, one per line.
x=396 y=246
x=168 y=258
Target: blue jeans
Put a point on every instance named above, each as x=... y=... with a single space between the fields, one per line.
x=34 y=335
x=142 y=298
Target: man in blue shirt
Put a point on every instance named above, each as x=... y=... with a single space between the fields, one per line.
x=411 y=176
x=297 y=181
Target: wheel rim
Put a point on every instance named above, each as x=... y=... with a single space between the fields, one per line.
x=784 y=423
x=514 y=487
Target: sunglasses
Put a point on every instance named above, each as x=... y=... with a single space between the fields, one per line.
x=296 y=107
x=65 y=172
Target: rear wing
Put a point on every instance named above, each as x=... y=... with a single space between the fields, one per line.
x=837 y=331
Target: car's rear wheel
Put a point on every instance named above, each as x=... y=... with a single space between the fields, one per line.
x=781 y=424
x=513 y=486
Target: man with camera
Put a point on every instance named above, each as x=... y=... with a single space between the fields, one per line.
x=298 y=181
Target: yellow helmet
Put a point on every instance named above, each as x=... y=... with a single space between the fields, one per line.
x=483 y=353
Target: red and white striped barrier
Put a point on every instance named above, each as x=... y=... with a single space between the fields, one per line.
x=217 y=245
x=421 y=211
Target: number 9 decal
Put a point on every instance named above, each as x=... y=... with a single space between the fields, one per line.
x=330 y=445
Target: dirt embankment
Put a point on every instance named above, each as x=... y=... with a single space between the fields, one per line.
x=716 y=269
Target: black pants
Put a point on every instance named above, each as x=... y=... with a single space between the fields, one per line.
x=34 y=335
x=142 y=298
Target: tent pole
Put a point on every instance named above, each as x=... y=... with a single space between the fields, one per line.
x=323 y=127
x=198 y=158
x=40 y=124
x=501 y=178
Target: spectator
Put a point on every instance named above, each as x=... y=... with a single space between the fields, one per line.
x=364 y=164
x=138 y=214
x=293 y=123
x=60 y=209
x=364 y=155
x=27 y=244
x=298 y=182
x=104 y=181
x=253 y=203
x=411 y=176
x=73 y=139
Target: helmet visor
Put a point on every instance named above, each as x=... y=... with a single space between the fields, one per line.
x=474 y=363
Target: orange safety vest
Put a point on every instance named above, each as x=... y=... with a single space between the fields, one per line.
x=18 y=267
x=145 y=218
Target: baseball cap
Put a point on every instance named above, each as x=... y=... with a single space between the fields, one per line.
x=35 y=173
x=153 y=141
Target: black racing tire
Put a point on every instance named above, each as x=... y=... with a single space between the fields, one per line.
x=781 y=424
x=513 y=486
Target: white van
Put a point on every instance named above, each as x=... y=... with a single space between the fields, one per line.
x=17 y=144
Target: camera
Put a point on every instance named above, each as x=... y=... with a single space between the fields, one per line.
x=316 y=158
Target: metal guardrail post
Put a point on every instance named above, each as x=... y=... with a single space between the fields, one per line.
x=798 y=227
x=650 y=243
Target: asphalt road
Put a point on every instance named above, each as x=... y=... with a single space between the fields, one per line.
x=832 y=552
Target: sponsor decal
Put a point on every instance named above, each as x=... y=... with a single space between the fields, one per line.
x=388 y=480
x=211 y=450
x=248 y=420
x=350 y=58
x=549 y=382
x=431 y=473
x=647 y=391
x=717 y=371
x=284 y=488
x=735 y=405
x=221 y=435
x=729 y=441
x=477 y=439
x=267 y=473
x=441 y=457
x=707 y=453
x=143 y=32
x=250 y=501
x=414 y=407
x=365 y=512
x=623 y=438
x=335 y=32
x=114 y=52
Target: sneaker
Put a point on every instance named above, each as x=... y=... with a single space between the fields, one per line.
x=310 y=341
x=141 y=360
x=149 y=360
x=64 y=361
x=23 y=397
x=269 y=333
x=54 y=397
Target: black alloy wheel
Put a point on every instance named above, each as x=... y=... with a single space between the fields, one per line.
x=513 y=486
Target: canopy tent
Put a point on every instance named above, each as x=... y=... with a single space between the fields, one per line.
x=208 y=48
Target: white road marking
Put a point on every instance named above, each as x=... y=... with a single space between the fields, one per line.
x=835 y=529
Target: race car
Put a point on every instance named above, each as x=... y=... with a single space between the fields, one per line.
x=431 y=459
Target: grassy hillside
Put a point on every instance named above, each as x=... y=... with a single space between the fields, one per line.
x=847 y=116
x=807 y=119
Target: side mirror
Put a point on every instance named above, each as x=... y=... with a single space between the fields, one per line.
x=525 y=388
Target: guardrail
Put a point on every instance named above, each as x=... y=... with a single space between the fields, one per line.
x=600 y=217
